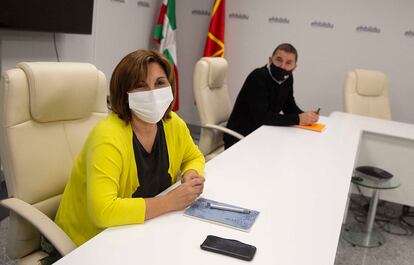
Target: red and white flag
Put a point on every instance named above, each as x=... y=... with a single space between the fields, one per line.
x=165 y=36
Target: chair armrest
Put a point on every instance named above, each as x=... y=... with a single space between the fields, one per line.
x=224 y=129
x=43 y=223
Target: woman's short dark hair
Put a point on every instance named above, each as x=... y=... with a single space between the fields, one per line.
x=129 y=72
x=286 y=47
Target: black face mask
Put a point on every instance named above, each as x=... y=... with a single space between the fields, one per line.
x=278 y=74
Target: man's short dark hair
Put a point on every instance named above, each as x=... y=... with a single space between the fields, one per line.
x=286 y=47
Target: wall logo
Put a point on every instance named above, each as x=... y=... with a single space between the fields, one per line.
x=368 y=29
x=409 y=34
x=239 y=16
x=281 y=20
x=322 y=24
x=199 y=12
x=143 y=4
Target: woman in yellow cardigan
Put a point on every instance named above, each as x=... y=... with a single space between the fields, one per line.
x=132 y=155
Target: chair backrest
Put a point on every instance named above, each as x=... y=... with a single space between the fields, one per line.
x=47 y=111
x=366 y=93
x=212 y=99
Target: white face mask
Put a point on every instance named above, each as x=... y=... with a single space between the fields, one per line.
x=151 y=105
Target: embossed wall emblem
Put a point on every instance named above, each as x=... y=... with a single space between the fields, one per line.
x=143 y=4
x=369 y=29
x=200 y=12
x=409 y=33
x=322 y=24
x=281 y=20
x=238 y=16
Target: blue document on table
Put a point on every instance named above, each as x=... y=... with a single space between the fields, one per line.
x=243 y=220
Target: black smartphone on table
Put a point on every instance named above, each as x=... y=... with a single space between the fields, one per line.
x=229 y=247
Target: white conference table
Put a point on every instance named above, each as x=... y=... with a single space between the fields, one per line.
x=385 y=144
x=299 y=181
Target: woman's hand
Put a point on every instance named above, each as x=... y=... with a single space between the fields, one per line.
x=191 y=187
x=185 y=194
x=189 y=175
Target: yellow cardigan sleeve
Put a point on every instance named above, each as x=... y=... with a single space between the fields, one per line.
x=192 y=156
x=105 y=207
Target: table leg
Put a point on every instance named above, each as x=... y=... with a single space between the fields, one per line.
x=365 y=234
x=372 y=211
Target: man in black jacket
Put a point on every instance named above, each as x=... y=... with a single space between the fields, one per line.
x=266 y=93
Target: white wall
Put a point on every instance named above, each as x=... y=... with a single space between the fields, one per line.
x=191 y=36
x=325 y=55
x=118 y=28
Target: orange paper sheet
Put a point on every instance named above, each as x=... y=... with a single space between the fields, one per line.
x=317 y=127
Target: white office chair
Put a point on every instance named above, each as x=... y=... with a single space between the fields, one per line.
x=213 y=104
x=47 y=110
x=366 y=93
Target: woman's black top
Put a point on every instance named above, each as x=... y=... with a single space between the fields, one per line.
x=152 y=167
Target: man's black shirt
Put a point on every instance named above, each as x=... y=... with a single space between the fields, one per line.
x=260 y=102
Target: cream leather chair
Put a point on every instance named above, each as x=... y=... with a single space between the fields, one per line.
x=47 y=110
x=213 y=104
x=366 y=93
